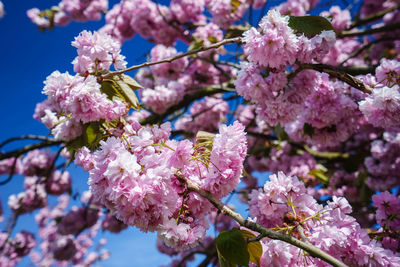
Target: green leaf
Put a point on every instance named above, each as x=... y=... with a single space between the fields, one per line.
x=308 y=129
x=212 y=39
x=133 y=84
x=235 y=4
x=232 y=248
x=108 y=88
x=75 y=144
x=196 y=45
x=309 y=25
x=254 y=248
x=223 y=262
x=125 y=88
x=280 y=133
x=92 y=132
x=320 y=175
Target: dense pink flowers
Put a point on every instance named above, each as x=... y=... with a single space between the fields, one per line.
x=80 y=10
x=167 y=70
x=387 y=214
x=67 y=10
x=185 y=10
x=73 y=100
x=224 y=13
x=276 y=46
x=163 y=96
x=383 y=163
x=97 y=52
x=284 y=201
x=382 y=107
x=226 y=160
x=205 y=115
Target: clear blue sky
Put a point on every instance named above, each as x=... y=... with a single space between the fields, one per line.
x=28 y=56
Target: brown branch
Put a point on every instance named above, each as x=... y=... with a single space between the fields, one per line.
x=373 y=17
x=386 y=28
x=169 y=60
x=21 y=151
x=312 y=250
x=25 y=137
x=343 y=73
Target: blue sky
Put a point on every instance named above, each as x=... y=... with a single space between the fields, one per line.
x=28 y=57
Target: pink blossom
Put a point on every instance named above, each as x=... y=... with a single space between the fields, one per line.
x=388 y=207
x=382 y=107
x=37 y=162
x=276 y=47
x=97 y=52
x=112 y=224
x=163 y=96
x=84 y=10
x=222 y=12
x=168 y=70
x=388 y=72
x=186 y=10
x=29 y=200
x=6 y=166
x=226 y=160
x=181 y=236
x=64 y=248
x=58 y=183
x=34 y=15
x=341 y=19
x=205 y=115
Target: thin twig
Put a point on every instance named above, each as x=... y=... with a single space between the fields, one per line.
x=169 y=60
x=25 y=137
x=386 y=28
x=21 y=151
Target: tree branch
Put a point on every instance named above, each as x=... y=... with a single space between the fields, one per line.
x=21 y=151
x=373 y=17
x=25 y=137
x=343 y=73
x=312 y=250
x=386 y=28
x=169 y=60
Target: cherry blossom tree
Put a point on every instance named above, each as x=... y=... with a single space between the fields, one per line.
x=305 y=91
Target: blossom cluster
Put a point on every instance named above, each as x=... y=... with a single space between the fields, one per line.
x=284 y=201
x=135 y=178
x=67 y=11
